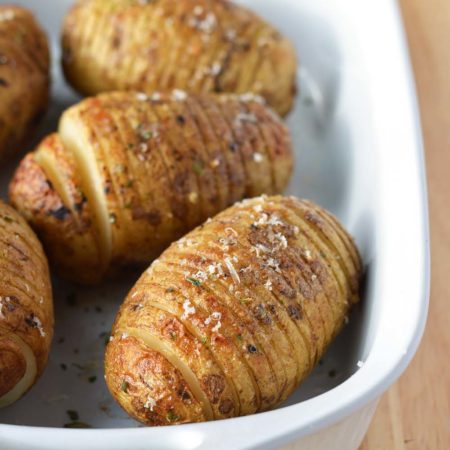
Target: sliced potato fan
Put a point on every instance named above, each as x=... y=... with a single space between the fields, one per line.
x=24 y=77
x=26 y=308
x=196 y=45
x=127 y=174
x=233 y=316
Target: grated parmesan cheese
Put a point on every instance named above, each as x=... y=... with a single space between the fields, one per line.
x=250 y=97
x=232 y=270
x=141 y=96
x=245 y=117
x=150 y=404
x=188 y=309
x=198 y=10
x=179 y=95
x=155 y=97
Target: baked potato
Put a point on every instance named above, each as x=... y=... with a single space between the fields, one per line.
x=194 y=45
x=128 y=174
x=24 y=77
x=232 y=317
x=26 y=308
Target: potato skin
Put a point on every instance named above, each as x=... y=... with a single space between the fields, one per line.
x=165 y=163
x=26 y=308
x=24 y=76
x=195 y=45
x=249 y=301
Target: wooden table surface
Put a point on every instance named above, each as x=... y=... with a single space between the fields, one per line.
x=415 y=413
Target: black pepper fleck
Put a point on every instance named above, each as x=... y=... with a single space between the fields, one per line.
x=60 y=213
x=251 y=348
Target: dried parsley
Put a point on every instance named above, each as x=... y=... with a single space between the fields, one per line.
x=194 y=281
x=172 y=417
x=198 y=167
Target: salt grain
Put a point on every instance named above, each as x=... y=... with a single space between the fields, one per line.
x=179 y=95
x=232 y=270
x=257 y=157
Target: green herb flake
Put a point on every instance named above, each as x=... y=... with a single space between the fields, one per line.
x=124 y=387
x=194 y=281
x=198 y=167
x=129 y=183
x=8 y=219
x=144 y=133
x=77 y=424
x=204 y=340
x=170 y=290
x=239 y=338
x=73 y=415
x=172 y=417
x=173 y=335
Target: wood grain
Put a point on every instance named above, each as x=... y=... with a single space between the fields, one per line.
x=415 y=413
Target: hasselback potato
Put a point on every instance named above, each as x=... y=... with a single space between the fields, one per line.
x=24 y=76
x=127 y=174
x=232 y=317
x=195 y=45
x=26 y=308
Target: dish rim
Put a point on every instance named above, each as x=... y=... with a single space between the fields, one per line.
x=361 y=388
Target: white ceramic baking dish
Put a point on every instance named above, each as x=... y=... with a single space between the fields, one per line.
x=359 y=153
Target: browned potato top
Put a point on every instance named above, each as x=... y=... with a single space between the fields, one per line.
x=232 y=317
x=127 y=174
x=195 y=45
x=24 y=76
x=26 y=308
